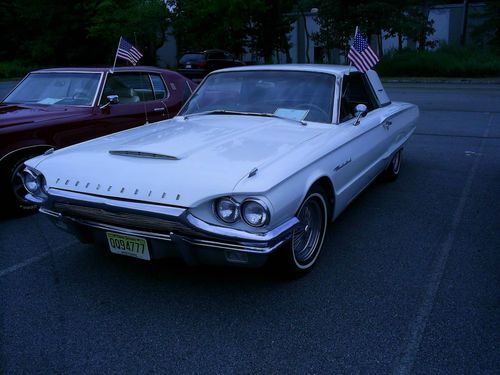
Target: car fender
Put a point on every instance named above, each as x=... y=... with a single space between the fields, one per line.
x=23 y=147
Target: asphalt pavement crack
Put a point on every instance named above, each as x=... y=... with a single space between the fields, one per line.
x=419 y=324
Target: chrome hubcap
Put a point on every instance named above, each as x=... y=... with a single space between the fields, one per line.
x=17 y=186
x=305 y=239
x=396 y=162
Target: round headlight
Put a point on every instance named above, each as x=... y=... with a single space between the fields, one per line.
x=31 y=181
x=227 y=210
x=254 y=212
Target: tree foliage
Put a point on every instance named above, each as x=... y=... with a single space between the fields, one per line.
x=233 y=25
x=402 y=18
x=86 y=32
x=79 y=32
x=489 y=30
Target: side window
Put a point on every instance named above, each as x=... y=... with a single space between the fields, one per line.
x=130 y=87
x=355 y=91
x=187 y=92
x=159 y=88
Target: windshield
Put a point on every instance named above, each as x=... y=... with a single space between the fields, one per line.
x=292 y=94
x=53 y=88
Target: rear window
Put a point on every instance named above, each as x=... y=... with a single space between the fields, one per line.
x=192 y=57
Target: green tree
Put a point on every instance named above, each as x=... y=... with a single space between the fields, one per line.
x=261 y=25
x=489 y=30
x=79 y=32
x=142 y=22
x=337 y=21
x=402 y=18
x=271 y=22
x=201 y=24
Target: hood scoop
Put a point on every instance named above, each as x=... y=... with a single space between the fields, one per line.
x=142 y=154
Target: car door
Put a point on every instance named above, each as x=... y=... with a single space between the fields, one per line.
x=141 y=99
x=367 y=139
x=397 y=118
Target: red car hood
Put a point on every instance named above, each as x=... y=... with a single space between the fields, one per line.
x=17 y=114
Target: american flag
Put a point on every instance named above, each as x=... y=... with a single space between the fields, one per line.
x=361 y=54
x=128 y=52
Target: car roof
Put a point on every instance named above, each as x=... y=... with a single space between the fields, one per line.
x=338 y=70
x=206 y=51
x=151 y=69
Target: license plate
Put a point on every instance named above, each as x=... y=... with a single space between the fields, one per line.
x=188 y=66
x=131 y=246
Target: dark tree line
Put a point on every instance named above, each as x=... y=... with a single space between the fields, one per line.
x=234 y=25
x=261 y=26
x=79 y=32
x=86 y=32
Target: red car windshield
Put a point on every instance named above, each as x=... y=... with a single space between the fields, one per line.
x=56 y=88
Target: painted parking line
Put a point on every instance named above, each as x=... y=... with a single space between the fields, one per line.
x=418 y=325
x=34 y=259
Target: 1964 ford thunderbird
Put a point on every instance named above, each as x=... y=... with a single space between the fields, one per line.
x=256 y=164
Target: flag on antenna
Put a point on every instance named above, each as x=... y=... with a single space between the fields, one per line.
x=361 y=55
x=127 y=51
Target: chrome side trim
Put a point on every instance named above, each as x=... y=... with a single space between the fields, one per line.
x=235 y=247
x=241 y=235
x=104 y=202
x=45 y=211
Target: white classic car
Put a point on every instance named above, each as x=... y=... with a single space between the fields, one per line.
x=257 y=163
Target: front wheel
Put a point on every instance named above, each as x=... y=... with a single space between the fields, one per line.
x=305 y=246
x=14 y=195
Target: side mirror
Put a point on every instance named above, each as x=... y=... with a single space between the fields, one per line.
x=112 y=99
x=361 y=111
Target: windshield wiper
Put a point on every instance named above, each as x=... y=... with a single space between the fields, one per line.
x=228 y=112
x=214 y=112
x=276 y=116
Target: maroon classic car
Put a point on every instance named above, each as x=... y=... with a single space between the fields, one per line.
x=54 y=108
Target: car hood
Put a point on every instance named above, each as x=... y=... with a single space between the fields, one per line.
x=177 y=162
x=18 y=114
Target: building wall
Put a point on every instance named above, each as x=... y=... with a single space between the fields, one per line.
x=448 y=20
x=167 y=54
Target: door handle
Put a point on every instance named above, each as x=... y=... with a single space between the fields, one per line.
x=387 y=124
x=159 y=109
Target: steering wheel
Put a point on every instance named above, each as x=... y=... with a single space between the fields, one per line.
x=323 y=115
x=80 y=96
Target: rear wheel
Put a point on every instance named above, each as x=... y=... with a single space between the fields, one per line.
x=302 y=252
x=392 y=170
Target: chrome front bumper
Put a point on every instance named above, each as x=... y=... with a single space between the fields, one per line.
x=170 y=230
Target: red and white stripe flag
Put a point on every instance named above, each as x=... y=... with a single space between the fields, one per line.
x=361 y=55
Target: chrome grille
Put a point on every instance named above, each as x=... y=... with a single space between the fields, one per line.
x=122 y=219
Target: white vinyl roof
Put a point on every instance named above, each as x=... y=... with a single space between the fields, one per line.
x=338 y=70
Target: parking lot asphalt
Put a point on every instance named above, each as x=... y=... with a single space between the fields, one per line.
x=408 y=281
